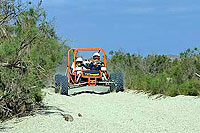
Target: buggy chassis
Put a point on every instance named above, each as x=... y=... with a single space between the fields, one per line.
x=89 y=78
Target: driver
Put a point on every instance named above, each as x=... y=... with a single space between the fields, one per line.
x=96 y=64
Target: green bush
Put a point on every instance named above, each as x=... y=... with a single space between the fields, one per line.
x=191 y=87
x=29 y=54
x=138 y=82
x=172 y=90
x=159 y=74
x=157 y=84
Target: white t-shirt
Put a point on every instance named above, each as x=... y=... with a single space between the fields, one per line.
x=77 y=68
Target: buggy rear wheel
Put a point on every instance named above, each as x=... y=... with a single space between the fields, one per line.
x=61 y=84
x=112 y=79
x=58 y=78
x=119 y=82
x=64 y=86
x=112 y=87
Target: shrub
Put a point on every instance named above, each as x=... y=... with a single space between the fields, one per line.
x=191 y=87
x=157 y=84
x=159 y=73
x=172 y=90
x=138 y=82
x=29 y=54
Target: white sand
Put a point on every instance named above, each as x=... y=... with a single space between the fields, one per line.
x=113 y=113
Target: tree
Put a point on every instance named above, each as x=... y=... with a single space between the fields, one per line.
x=29 y=53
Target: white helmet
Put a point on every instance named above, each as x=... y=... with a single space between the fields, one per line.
x=79 y=59
x=96 y=54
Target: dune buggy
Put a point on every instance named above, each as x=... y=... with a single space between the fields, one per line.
x=93 y=79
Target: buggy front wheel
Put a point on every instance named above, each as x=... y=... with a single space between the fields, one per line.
x=64 y=86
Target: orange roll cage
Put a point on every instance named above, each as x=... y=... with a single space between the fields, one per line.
x=75 y=50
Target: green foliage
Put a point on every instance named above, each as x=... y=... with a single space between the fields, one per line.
x=159 y=74
x=29 y=54
x=137 y=82
x=191 y=87
x=157 y=84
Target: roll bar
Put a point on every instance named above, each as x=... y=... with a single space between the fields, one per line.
x=75 y=50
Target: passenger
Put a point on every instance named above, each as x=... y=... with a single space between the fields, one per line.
x=79 y=67
x=96 y=64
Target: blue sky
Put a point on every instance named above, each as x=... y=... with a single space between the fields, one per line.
x=135 y=26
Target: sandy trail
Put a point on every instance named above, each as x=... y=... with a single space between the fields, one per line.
x=113 y=113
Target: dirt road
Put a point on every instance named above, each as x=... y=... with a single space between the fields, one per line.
x=113 y=113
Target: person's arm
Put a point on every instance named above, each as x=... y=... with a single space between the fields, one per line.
x=91 y=65
x=102 y=63
x=98 y=67
x=85 y=66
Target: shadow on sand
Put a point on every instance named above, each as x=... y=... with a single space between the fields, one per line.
x=47 y=110
x=89 y=92
x=42 y=110
x=3 y=128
